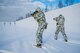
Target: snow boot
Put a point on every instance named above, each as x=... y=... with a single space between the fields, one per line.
x=55 y=37
x=39 y=45
x=65 y=39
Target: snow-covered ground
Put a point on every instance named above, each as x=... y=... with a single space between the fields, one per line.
x=20 y=37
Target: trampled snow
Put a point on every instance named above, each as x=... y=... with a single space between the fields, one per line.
x=20 y=37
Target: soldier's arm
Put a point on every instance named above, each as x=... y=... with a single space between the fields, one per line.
x=63 y=18
x=42 y=15
x=55 y=18
x=39 y=16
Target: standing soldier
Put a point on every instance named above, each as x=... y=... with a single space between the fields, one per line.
x=60 y=27
x=39 y=16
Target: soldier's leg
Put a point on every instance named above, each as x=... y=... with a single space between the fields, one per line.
x=56 y=33
x=64 y=34
x=45 y=26
x=38 y=43
x=39 y=35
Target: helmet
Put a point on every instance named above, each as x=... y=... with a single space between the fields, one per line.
x=38 y=9
x=60 y=15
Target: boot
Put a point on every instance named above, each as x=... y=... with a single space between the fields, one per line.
x=65 y=38
x=39 y=45
x=55 y=37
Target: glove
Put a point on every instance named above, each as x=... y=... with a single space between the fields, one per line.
x=32 y=15
x=57 y=24
x=54 y=19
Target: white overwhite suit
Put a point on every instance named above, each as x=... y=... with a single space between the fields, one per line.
x=60 y=27
x=39 y=16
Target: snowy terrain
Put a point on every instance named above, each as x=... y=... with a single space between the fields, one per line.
x=20 y=37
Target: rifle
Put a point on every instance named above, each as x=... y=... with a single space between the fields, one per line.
x=34 y=13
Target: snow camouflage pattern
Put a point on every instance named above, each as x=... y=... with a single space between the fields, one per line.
x=60 y=27
x=39 y=16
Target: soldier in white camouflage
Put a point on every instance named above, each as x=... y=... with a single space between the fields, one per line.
x=60 y=27
x=39 y=16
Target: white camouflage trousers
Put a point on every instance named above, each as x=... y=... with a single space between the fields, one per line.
x=60 y=28
x=39 y=33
